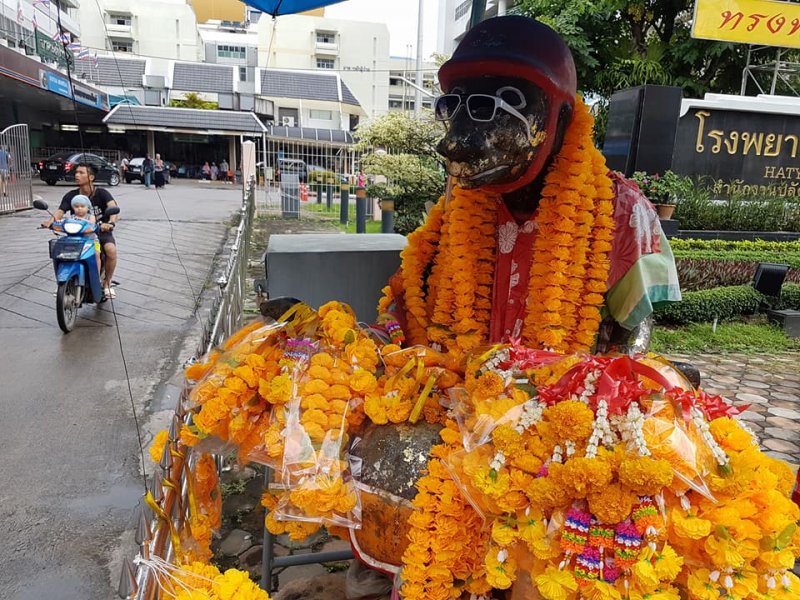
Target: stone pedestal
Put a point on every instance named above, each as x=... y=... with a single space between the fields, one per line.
x=317 y=268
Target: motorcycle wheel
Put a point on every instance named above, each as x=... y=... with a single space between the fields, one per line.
x=67 y=303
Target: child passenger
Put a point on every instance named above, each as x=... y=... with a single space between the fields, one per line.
x=81 y=208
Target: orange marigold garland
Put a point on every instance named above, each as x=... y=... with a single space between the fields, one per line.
x=447 y=273
x=570 y=253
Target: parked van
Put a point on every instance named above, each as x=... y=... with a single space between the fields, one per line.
x=293 y=166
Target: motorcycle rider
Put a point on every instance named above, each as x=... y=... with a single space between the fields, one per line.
x=101 y=199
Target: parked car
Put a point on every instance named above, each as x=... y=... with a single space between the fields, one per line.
x=61 y=167
x=293 y=166
x=134 y=171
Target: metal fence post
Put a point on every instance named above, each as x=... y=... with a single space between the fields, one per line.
x=387 y=216
x=361 y=210
x=344 y=206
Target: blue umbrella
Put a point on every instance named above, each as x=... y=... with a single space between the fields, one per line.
x=287 y=7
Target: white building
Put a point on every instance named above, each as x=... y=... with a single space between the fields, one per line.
x=358 y=51
x=17 y=26
x=454 y=18
x=152 y=28
x=402 y=93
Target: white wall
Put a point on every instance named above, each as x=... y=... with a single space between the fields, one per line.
x=159 y=28
x=360 y=53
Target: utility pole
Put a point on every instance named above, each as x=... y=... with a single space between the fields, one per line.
x=418 y=95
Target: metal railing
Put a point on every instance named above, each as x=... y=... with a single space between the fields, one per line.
x=141 y=582
x=16 y=174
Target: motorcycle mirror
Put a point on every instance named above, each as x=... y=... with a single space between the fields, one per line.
x=40 y=204
x=111 y=210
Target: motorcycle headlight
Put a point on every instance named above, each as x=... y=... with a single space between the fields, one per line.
x=70 y=253
x=73 y=228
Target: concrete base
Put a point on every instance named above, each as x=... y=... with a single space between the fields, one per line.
x=788 y=319
x=317 y=268
x=670 y=227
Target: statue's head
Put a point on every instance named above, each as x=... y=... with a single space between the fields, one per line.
x=508 y=94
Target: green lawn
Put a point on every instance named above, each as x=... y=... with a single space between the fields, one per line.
x=753 y=337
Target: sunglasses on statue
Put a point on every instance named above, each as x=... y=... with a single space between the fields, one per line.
x=480 y=107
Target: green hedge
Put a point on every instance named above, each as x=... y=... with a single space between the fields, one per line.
x=704 y=305
x=739 y=245
x=790 y=296
x=723 y=303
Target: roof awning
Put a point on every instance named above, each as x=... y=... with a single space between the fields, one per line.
x=334 y=137
x=184 y=120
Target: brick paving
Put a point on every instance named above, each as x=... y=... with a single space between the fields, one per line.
x=770 y=384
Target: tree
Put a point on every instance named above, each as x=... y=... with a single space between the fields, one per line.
x=402 y=149
x=623 y=43
x=193 y=100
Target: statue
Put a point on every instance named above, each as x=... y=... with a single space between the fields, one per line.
x=556 y=244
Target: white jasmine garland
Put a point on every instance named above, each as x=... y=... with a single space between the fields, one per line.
x=498 y=461
x=502 y=555
x=705 y=431
x=532 y=411
x=570 y=446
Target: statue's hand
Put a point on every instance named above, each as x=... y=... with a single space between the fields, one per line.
x=275 y=307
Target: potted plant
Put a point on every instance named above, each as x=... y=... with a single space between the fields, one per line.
x=661 y=190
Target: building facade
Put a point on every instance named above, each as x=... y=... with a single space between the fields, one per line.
x=454 y=18
x=166 y=29
x=403 y=73
x=357 y=51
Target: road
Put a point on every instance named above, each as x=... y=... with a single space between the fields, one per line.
x=71 y=468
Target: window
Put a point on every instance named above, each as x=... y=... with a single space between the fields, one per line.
x=119 y=20
x=395 y=103
x=121 y=46
x=463 y=8
x=322 y=115
x=242 y=73
x=325 y=63
x=395 y=81
x=227 y=51
x=326 y=37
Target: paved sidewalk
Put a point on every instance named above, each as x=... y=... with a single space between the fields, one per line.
x=770 y=384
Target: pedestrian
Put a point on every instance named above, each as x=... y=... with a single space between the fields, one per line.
x=123 y=166
x=214 y=171
x=100 y=199
x=147 y=171
x=5 y=168
x=362 y=179
x=158 y=169
x=223 y=170
x=206 y=171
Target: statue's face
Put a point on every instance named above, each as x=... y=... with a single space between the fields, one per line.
x=486 y=142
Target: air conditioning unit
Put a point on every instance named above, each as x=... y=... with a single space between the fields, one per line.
x=287 y=121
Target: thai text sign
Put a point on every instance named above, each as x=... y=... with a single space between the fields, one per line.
x=740 y=152
x=764 y=22
x=52 y=51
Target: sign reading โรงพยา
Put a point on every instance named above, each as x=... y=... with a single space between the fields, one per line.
x=740 y=146
x=762 y=22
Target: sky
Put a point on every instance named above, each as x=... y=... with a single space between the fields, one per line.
x=400 y=16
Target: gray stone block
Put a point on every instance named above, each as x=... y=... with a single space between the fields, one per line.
x=317 y=268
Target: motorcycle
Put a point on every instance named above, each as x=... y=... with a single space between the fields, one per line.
x=75 y=264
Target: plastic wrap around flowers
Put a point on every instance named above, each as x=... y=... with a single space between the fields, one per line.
x=562 y=477
x=611 y=478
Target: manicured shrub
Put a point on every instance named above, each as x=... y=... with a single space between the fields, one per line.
x=706 y=305
x=790 y=296
x=696 y=210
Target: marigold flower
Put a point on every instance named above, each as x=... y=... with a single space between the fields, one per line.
x=612 y=504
